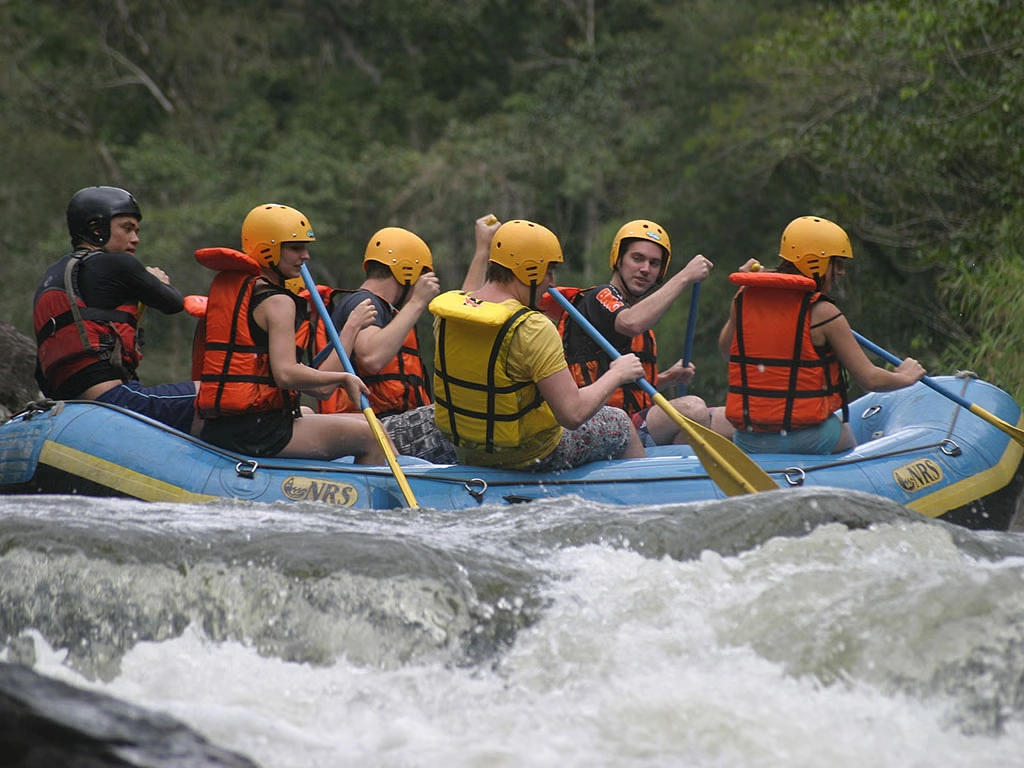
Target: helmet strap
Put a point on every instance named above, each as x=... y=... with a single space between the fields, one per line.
x=631 y=298
x=533 y=294
x=406 y=287
x=820 y=277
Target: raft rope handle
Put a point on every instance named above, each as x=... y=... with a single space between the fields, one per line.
x=476 y=494
x=966 y=377
x=873 y=410
x=794 y=476
x=39 y=406
x=247 y=468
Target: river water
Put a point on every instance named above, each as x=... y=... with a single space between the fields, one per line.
x=799 y=628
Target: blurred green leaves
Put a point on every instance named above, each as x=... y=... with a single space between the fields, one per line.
x=900 y=119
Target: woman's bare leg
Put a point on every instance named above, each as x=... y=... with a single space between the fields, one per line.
x=330 y=436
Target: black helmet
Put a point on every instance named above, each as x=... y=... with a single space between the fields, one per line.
x=92 y=208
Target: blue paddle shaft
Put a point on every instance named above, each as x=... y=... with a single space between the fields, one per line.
x=890 y=357
x=611 y=351
x=691 y=325
x=332 y=332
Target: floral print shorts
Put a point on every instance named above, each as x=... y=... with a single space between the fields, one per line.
x=604 y=435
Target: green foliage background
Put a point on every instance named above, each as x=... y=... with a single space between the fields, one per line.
x=722 y=120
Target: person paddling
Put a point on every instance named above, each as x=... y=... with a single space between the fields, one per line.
x=786 y=401
x=400 y=283
x=624 y=311
x=503 y=391
x=251 y=377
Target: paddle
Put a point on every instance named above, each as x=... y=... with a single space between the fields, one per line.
x=691 y=324
x=364 y=403
x=977 y=410
x=727 y=465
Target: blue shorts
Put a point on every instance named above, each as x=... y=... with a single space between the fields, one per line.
x=172 y=404
x=820 y=439
x=640 y=422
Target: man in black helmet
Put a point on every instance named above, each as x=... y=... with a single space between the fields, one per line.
x=87 y=308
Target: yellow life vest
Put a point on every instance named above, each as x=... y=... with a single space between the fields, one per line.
x=492 y=420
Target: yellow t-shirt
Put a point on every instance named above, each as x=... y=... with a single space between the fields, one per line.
x=534 y=353
x=536 y=348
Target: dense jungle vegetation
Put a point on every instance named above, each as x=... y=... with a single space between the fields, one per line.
x=901 y=120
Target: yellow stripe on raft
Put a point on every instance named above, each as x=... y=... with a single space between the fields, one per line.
x=144 y=487
x=111 y=475
x=973 y=487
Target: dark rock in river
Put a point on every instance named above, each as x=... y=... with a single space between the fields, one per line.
x=17 y=377
x=46 y=723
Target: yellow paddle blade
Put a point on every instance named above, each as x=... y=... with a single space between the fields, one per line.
x=727 y=465
x=382 y=441
x=1014 y=432
x=974 y=408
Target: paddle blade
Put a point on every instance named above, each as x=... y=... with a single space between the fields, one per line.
x=974 y=408
x=726 y=463
x=384 y=443
x=1014 y=432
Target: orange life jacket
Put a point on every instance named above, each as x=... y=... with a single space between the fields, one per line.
x=235 y=377
x=196 y=307
x=311 y=336
x=72 y=336
x=397 y=387
x=778 y=380
x=588 y=362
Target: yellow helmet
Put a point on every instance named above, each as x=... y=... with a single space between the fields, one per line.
x=811 y=243
x=641 y=229
x=401 y=250
x=526 y=248
x=269 y=225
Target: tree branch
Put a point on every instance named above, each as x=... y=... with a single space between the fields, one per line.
x=141 y=77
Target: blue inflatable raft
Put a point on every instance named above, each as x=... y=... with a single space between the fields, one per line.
x=916 y=447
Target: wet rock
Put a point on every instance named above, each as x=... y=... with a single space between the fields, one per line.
x=17 y=377
x=45 y=722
